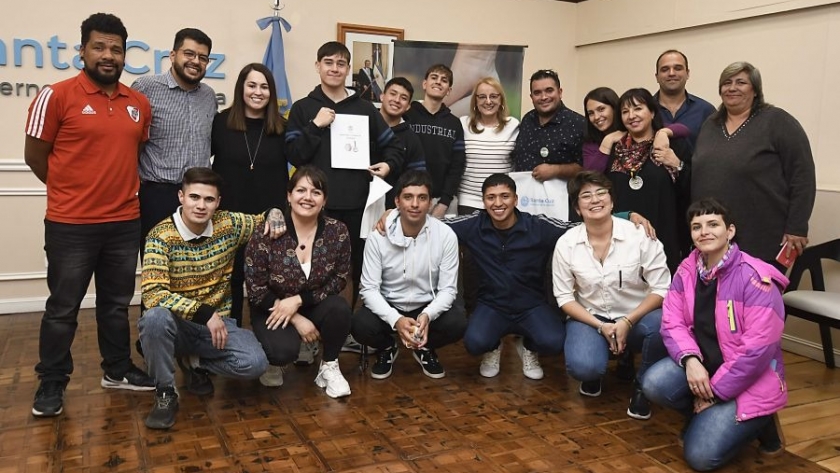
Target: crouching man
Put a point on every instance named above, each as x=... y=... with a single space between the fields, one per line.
x=187 y=266
x=409 y=283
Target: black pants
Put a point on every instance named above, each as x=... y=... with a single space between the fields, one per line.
x=75 y=254
x=331 y=317
x=470 y=274
x=353 y=219
x=157 y=202
x=368 y=329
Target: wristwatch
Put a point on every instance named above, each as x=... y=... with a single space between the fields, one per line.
x=681 y=165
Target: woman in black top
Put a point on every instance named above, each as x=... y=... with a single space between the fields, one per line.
x=653 y=181
x=248 y=147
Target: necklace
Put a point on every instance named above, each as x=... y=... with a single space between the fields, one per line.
x=302 y=241
x=253 y=157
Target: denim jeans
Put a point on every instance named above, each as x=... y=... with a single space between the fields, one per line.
x=75 y=253
x=587 y=352
x=542 y=329
x=164 y=336
x=712 y=437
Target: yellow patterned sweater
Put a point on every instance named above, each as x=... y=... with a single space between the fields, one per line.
x=193 y=279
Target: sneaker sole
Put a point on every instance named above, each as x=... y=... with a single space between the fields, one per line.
x=638 y=416
x=486 y=374
x=390 y=371
x=128 y=387
x=431 y=375
x=319 y=381
x=584 y=393
x=37 y=413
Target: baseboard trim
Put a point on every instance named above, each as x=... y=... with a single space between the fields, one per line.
x=37 y=304
x=807 y=348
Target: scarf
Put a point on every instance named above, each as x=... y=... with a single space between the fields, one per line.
x=630 y=156
x=709 y=275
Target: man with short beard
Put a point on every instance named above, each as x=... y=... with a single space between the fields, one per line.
x=550 y=141
x=82 y=138
x=182 y=119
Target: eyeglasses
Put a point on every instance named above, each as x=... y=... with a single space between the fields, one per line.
x=485 y=97
x=191 y=55
x=588 y=196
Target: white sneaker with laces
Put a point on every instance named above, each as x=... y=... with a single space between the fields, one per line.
x=273 y=377
x=530 y=361
x=330 y=377
x=490 y=363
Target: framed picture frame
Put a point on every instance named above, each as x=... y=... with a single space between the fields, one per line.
x=372 y=57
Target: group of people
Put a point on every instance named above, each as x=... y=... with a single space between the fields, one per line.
x=706 y=321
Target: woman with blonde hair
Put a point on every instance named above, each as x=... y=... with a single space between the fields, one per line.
x=489 y=137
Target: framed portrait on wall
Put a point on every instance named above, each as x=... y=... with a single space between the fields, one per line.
x=372 y=57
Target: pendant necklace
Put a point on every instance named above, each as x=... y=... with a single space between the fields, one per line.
x=635 y=181
x=253 y=157
x=302 y=246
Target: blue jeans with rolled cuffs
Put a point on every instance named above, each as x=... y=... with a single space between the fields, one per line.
x=587 y=352
x=711 y=438
x=165 y=336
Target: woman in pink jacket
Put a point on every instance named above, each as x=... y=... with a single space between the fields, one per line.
x=722 y=324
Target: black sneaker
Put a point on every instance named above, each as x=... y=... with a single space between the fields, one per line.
x=134 y=380
x=384 y=362
x=163 y=413
x=49 y=399
x=198 y=379
x=639 y=406
x=429 y=362
x=590 y=388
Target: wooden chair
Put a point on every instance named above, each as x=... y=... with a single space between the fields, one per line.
x=816 y=305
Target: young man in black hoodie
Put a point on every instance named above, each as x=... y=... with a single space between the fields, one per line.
x=308 y=142
x=442 y=137
x=395 y=102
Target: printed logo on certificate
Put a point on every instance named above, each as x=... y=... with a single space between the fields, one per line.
x=350 y=142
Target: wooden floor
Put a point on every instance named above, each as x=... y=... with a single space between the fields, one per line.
x=408 y=423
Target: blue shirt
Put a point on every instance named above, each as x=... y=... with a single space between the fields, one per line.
x=562 y=137
x=692 y=113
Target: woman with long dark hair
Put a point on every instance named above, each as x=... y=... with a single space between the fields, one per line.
x=248 y=147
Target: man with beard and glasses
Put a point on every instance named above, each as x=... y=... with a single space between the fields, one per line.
x=183 y=109
x=82 y=140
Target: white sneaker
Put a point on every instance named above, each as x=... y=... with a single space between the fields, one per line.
x=306 y=355
x=273 y=377
x=530 y=361
x=330 y=377
x=490 y=363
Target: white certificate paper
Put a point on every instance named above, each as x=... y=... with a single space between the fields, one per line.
x=350 y=142
x=375 y=206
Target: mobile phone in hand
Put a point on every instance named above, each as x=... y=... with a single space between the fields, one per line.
x=783 y=257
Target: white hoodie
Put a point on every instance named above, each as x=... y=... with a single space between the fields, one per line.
x=401 y=273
